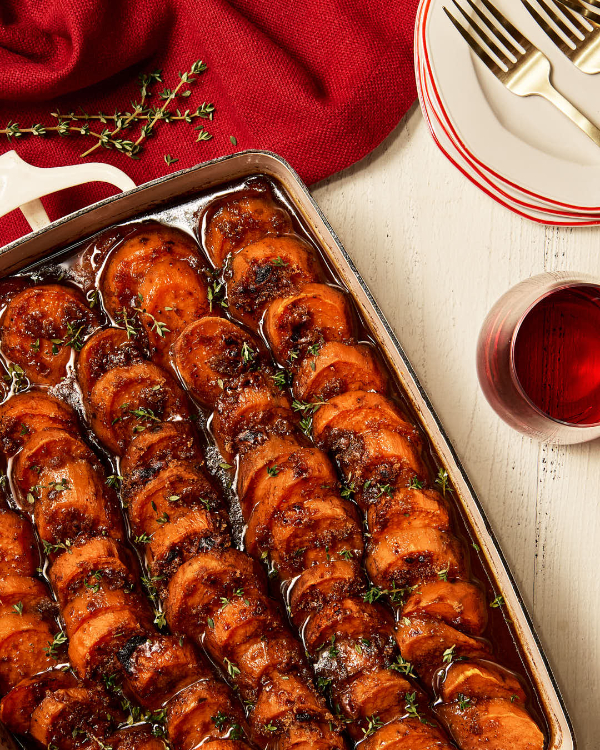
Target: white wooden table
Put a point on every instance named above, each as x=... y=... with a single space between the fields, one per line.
x=437 y=253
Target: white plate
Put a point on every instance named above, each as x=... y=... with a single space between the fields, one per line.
x=520 y=140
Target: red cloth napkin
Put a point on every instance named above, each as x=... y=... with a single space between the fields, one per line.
x=321 y=83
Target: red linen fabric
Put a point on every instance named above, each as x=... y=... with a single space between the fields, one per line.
x=321 y=83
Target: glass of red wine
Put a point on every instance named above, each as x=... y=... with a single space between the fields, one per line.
x=538 y=357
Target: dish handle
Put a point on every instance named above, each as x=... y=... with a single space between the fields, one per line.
x=22 y=185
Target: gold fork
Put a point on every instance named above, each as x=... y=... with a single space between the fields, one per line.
x=514 y=60
x=581 y=46
x=584 y=9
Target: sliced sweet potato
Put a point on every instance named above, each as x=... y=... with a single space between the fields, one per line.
x=377 y=461
x=408 y=508
x=103 y=351
x=424 y=642
x=40 y=328
x=128 y=400
x=337 y=368
x=239 y=219
x=94 y=601
x=18 y=704
x=412 y=556
x=23 y=640
x=263 y=655
x=181 y=539
x=129 y=262
x=480 y=679
x=359 y=411
x=155 y=447
x=18 y=549
x=94 y=647
x=25 y=594
x=319 y=584
x=203 y=711
x=323 y=549
x=170 y=493
x=407 y=734
x=378 y=693
x=312 y=735
x=303 y=321
x=135 y=738
x=279 y=468
x=171 y=296
x=228 y=744
x=248 y=410
x=25 y=414
x=241 y=617
x=159 y=668
x=265 y=270
x=197 y=587
x=351 y=619
x=322 y=521
x=65 y=717
x=211 y=352
x=493 y=724
x=287 y=699
x=457 y=603
x=99 y=562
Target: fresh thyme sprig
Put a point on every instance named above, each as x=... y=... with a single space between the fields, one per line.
x=142 y=114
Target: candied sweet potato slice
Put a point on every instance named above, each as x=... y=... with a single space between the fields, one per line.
x=106 y=349
x=480 y=679
x=358 y=411
x=64 y=718
x=408 y=508
x=457 y=603
x=248 y=410
x=337 y=368
x=319 y=584
x=94 y=647
x=199 y=584
x=95 y=600
x=493 y=724
x=347 y=619
x=241 y=218
x=25 y=594
x=23 y=640
x=305 y=320
x=17 y=706
x=99 y=561
x=312 y=735
x=170 y=493
x=324 y=549
x=211 y=352
x=25 y=414
x=178 y=541
x=287 y=698
x=156 y=446
x=407 y=734
x=423 y=641
x=127 y=400
x=265 y=270
x=18 y=549
x=171 y=296
x=203 y=711
x=130 y=261
x=135 y=738
x=404 y=558
x=160 y=667
x=41 y=326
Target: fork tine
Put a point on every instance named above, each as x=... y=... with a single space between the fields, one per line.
x=474 y=44
x=541 y=21
x=576 y=18
x=578 y=9
x=559 y=16
x=488 y=35
x=504 y=38
x=504 y=22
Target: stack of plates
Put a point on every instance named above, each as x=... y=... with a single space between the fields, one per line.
x=522 y=152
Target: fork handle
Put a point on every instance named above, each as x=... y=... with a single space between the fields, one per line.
x=552 y=95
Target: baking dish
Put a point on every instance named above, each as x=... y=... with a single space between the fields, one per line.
x=174 y=198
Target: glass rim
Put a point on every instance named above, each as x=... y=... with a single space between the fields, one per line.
x=513 y=370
